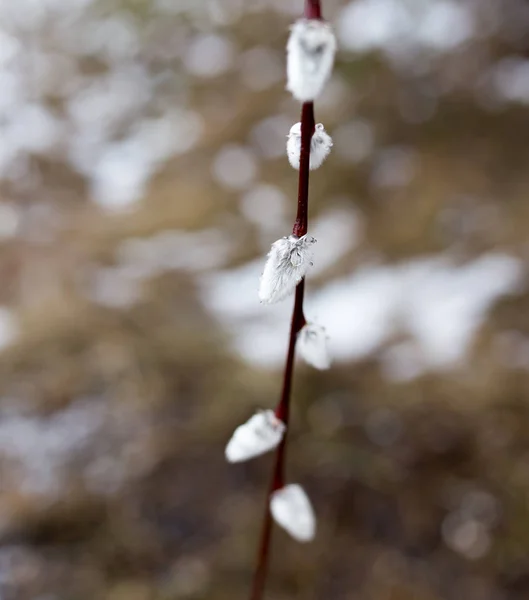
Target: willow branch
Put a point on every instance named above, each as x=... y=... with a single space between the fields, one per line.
x=312 y=11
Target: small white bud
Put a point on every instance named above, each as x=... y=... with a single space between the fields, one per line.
x=310 y=57
x=312 y=346
x=287 y=264
x=292 y=510
x=258 y=435
x=320 y=146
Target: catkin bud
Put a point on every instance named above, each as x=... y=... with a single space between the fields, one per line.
x=288 y=262
x=312 y=346
x=320 y=146
x=258 y=435
x=292 y=510
x=310 y=57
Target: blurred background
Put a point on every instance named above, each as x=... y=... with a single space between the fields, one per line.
x=143 y=179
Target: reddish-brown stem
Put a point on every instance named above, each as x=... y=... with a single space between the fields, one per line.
x=277 y=479
x=259 y=577
x=307 y=129
x=312 y=11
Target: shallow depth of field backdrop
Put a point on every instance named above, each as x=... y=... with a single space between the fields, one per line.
x=143 y=179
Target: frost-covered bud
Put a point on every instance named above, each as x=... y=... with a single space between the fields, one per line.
x=320 y=146
x=310 y=57
x=258 y=435
x=287 y=264
x=312 y=346
x=292 y=510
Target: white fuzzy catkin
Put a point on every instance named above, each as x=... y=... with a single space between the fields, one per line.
x=310 y=57
x=320 y=146
x=312 y=346
x=258 y=435
x=288 y=262
x=292 y=510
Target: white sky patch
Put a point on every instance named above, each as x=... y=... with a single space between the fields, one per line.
x=121 y=171
x=105 y=100
x=121 y=175
x=9 y=48
x=357 y=311
x=258 y=332
x=354 y=141
x=28 y=128
x=38 y=447
x=261 y=67
x=175 y=132
x=265 y=205
x=141 y=259
x=30 y=15
x=33 y=128
x=209 y=55
x=338 y=231
x=263 y=342
x=12 y=90
x=269 y=136
x=445 y=25
x=232 y=294
x=38 y=453
x=510 y=78
x=114 y=38
x=448 y=304
x=234 y=167
x=371 y=24
x=440 y=304
x=393 y=25
x=174 y=249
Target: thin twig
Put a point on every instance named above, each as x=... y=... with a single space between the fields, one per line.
x=312 y=11
x=277 y=479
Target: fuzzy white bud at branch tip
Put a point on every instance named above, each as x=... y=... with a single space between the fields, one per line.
x=310 y=57
x=312 y=346
x=320 y=146
x=258 y=435
x=288 y=262
x=292 y=510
